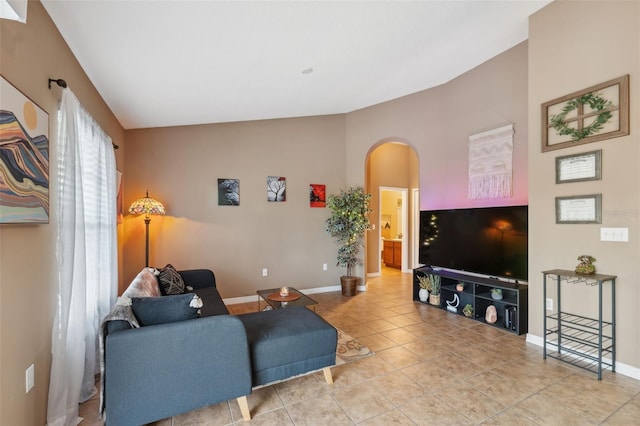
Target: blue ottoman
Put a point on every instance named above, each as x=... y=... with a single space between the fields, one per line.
x=287 y=342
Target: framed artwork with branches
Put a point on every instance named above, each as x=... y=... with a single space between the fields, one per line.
x=276 y=189
x=597 y=113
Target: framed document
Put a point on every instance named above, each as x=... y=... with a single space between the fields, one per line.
x=579 y=167
x=579 y=209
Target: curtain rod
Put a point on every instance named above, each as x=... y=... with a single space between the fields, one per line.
x=60 y=82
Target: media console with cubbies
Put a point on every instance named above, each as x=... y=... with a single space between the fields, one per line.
x=511 y=309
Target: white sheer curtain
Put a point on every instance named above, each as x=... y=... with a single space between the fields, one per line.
x=86 y=255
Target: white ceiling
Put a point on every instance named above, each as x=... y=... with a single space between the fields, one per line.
x=167 y=63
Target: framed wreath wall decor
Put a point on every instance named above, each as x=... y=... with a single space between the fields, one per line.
x=597 y=113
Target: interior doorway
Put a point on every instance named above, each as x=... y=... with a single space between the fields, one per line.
x=392 y=167
x=393 y=230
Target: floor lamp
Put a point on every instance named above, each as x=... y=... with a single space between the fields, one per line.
x=147 y=206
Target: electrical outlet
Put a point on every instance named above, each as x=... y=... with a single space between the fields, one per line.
x=324 y=266
x=29 y=377
x=549 y=304
x=265 y=272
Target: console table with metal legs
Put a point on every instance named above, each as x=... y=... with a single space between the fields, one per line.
x=586 y=342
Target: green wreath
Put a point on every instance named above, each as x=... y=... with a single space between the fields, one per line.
x=596 y=103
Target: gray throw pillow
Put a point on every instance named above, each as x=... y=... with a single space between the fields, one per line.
x=170 y=281
x=160 y=310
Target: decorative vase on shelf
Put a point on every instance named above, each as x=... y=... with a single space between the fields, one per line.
x=491 y=316
x=423 y=295
x=434 y=299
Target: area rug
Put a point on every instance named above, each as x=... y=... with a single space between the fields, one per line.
x=349 y=349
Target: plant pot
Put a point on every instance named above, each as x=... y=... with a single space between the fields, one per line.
x=423 y=294
x=434 y=299
x=349 y=285
x=459 y=287
x=496 y=296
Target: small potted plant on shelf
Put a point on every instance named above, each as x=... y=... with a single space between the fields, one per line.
x=423 y=293
x=460 y=286
x=496 y=293
x=434 y=289
x=467 y=310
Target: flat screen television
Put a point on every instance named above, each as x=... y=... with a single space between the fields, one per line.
x=488 y=241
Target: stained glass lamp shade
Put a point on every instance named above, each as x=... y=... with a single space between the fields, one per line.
x=147 y=206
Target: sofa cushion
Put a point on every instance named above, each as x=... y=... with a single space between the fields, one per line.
x=287 y=342
x=170 y=281
x=160 y=310
x=212 y=302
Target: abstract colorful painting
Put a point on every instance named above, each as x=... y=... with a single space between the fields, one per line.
x=317 y=197
x=24 y=158
x=276 y=188
x=228 y=192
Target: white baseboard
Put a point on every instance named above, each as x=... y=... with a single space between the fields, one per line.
x=621 y=368
x=374 y=274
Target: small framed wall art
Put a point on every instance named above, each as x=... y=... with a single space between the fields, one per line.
x=317 y=195
x=228 y=192
x=596 y=113
x=276 y=189
x=579 y=167
x=579 y=209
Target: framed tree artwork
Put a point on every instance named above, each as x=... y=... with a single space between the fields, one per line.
x=276 y=189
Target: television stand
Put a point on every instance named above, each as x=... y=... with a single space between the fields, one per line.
x=512 y=309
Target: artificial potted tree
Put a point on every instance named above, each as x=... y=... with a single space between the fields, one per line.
x=347 y=224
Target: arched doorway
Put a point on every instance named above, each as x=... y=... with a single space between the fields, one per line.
x=392 y=179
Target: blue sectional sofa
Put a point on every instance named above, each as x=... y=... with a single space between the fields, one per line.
x=160 y=360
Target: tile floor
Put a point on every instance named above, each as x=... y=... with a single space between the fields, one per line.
x=430 y=367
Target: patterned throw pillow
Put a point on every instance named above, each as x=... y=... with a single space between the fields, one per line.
x=145 y=284
x=170 y=281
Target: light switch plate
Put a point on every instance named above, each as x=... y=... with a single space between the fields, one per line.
x=614 y=234
x=30 y=379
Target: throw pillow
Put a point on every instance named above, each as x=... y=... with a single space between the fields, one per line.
x=145 y=284
x=170 y=281
x=160 y=310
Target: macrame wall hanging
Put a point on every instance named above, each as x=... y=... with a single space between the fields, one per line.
x=491 y=164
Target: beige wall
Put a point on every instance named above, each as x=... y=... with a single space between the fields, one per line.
x=574 y=45
x=30 y=54
x=180 y=166
x=437 y=123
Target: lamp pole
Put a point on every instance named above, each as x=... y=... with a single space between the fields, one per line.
x=147 y=206
x=147 y=221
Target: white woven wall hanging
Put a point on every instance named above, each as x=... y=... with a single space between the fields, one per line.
x=491 y=164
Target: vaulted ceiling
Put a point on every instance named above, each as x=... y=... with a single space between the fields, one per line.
x=166 y=63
